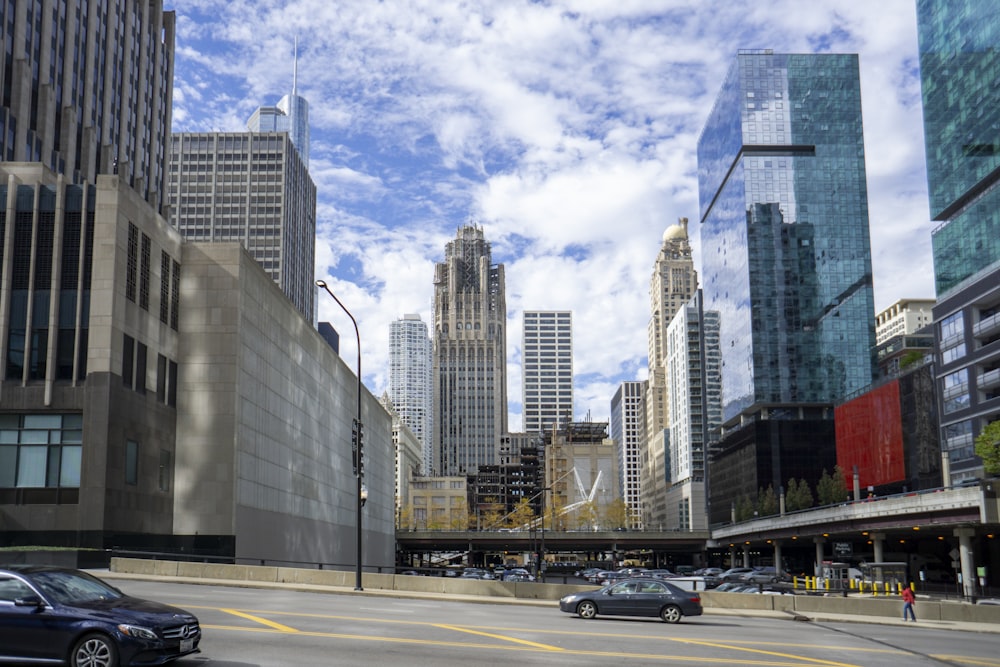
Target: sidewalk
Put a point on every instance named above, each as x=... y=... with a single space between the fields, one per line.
x=812 y=617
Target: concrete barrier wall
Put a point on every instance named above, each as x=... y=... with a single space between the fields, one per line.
x=806 y=604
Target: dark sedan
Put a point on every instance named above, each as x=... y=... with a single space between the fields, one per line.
x=634 y=597
x=52 y=615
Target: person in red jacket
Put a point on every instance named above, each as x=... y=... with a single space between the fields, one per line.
x=908 y=601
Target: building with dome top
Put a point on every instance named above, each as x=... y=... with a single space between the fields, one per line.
x=673 y=283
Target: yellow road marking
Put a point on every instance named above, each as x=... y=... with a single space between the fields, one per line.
x=527 y=649
x=981 y=662
x=470 y=631
x=818 y=661
x=263 y=621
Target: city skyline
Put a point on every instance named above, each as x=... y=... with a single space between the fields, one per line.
x=568 y=134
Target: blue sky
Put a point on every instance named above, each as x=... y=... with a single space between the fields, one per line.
x=566 y=129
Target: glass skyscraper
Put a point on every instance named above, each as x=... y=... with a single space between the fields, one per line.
x=786 y=264
x=959 y=70
x=784 y=213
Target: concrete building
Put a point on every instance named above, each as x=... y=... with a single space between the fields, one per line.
x=409 y=456
x=411 y=380
x=470 y=362
x=47 y=82
x=546 y=369
x=959 y=62
x=436 y=503
x=902 y=318
x=694 y=378
x=628 y=430
x=156 y=393
x=581 y=473
x=253 y=188
x=784 y=216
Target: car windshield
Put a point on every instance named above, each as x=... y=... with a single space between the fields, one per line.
x=72 y=587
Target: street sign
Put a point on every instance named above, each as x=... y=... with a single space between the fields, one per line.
x=843 y=549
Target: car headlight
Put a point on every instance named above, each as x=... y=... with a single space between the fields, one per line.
x=137 y=631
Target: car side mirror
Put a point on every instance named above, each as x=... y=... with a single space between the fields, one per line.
x=29 y=601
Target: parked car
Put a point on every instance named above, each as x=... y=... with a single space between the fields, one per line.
x=658 y=574
x=587 y=573
x=607 y=577
x=734 y=574
x=765 y=575
x=634 y=597
x=518 y=574
x=729 y=586
x=54 y=615
x=475 y=573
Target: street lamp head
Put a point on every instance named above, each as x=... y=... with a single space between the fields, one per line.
x=321 y=283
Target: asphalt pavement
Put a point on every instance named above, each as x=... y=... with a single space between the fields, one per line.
x=811 y=617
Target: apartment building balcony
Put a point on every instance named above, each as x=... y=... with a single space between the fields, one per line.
x=988 y=327
x=989 y=379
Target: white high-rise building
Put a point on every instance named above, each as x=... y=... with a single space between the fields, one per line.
x=410 y=388
x=903 y=317
x=628 y=430
x=470 y=356
x=547 y=369
x=694 y=410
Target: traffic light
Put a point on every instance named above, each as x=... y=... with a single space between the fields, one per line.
x=354 y=444
x=361 y=450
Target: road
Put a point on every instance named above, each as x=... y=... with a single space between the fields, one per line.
x=246 y=627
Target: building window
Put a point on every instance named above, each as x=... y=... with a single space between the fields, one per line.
x=140 y=368
x=131 y=462
x=128 y=361
x=144 y=273
x=164 y=476
x=175 y=295
x=40 y=450
x=161 y=379
x=132 y=268
x=164 y=287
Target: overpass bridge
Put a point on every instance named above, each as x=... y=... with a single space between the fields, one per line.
x=958 y=526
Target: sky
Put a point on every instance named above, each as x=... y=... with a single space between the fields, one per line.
x=566 y=129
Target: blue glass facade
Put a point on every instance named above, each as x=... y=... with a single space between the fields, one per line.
x=785 y=243
x=960 y=68
x=959 y=72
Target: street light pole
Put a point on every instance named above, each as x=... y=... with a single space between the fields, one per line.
x=356 y=440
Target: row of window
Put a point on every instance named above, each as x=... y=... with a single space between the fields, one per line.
x=41 y=450
x=138 y=277
x=134 y=360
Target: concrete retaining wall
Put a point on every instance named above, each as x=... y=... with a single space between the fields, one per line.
x=806 y=604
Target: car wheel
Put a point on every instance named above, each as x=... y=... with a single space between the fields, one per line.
x=586 y=609
x=671 y=614
x=94 y=650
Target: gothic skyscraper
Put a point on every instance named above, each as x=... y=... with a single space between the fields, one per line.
x=470 y=364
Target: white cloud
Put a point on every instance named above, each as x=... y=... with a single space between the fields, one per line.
x=567 y=128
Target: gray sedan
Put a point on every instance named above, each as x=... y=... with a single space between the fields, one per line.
x=634 y=597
